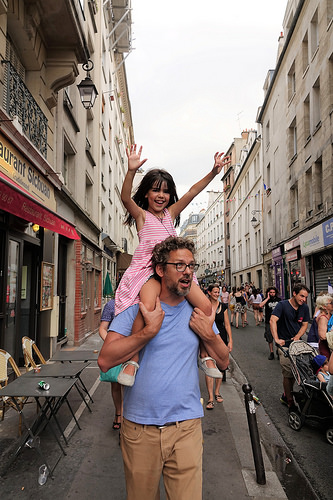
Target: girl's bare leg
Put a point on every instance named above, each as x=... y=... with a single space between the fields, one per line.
x=148 y=293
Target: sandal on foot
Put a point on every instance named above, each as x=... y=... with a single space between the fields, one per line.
x=125 y=378
x=218 y=398
x=116 y=425
x=210 y=405
x=210 y=372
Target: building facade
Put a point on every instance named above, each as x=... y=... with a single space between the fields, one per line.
x=246 y=202
x=297 y=149
x=210 y=240
x=61 y=168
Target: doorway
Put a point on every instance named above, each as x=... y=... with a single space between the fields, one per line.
x=62 y=285
x=21 y=298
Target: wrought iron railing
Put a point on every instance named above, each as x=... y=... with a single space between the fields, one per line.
x=19 y=102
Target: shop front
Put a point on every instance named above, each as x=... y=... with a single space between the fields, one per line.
x=277 y=263
x=295 y=264
x=28 y=223
x=317 y=248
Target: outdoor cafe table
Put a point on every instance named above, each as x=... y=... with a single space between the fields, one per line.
x=72 y=370
x=54 y=398
x=75 y=355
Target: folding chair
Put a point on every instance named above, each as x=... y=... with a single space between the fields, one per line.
x=29 y=348
x=5 y=402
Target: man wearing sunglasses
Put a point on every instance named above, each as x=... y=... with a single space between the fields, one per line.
x=161 y=431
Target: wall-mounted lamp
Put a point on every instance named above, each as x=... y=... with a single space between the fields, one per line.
x=87 y=89
x=254 y=220
x=35 y=228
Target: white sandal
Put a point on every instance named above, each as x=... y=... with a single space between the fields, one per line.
x=125 y=378
x=210 y=372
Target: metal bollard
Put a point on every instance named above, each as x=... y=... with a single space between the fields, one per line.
x=254 y=434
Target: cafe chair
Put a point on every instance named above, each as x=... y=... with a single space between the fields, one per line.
x=29 y=350
x=5 y=402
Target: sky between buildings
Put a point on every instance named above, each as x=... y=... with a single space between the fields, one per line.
x=196 y=78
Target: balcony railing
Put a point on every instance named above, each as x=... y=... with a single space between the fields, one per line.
x=19 y=103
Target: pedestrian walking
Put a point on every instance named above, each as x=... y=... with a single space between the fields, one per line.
x=289 y=322
x=269 y=304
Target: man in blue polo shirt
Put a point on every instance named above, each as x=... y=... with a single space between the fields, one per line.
x=161 y=431
x=289 y=321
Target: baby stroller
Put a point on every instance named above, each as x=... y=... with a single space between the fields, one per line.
x=312 y=399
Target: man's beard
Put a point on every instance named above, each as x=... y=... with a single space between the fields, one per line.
x=174 y=288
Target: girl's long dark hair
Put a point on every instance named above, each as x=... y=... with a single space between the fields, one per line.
x=153 y=178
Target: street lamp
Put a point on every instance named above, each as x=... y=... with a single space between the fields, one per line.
x=87 y=89
x=254 y=220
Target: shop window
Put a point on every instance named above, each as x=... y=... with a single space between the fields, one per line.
x=83 y=289
x=96 y=289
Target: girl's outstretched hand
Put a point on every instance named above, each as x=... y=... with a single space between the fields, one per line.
x=220 y=161
x=134 y=161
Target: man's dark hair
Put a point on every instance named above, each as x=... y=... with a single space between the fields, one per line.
x=298 y=288
x=162 y=250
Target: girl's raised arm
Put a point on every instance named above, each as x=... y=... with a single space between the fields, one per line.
x=219 y=163
x=134 y=163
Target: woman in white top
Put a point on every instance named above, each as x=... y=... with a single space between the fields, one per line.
x=255 y=300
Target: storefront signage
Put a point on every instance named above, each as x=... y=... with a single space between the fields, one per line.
x=312 y=240
x=276 y=253
x=293 y=255
x=291 y=244
x=14 y=165
x=328 y=232
x=12 y=201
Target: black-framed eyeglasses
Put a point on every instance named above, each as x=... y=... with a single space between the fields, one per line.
x=181 y=266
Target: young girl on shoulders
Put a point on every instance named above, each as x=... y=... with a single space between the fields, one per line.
x=155 y=209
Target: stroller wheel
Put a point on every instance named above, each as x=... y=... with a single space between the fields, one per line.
x=295 y=420
x=329 y=435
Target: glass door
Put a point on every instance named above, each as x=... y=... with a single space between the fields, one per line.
x=11 y=307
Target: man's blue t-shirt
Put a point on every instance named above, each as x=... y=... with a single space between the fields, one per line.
x=290 y=319
x=166 y=387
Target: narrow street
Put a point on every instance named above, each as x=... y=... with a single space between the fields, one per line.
x=308 y=446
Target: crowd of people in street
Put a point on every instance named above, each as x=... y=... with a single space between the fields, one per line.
x=161 y=327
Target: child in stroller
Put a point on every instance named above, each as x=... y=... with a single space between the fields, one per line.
x=312 y=399
x=320 y=367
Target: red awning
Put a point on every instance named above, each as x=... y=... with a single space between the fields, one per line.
x=15 y=201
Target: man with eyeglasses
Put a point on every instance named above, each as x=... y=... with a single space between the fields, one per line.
x=161 y=431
